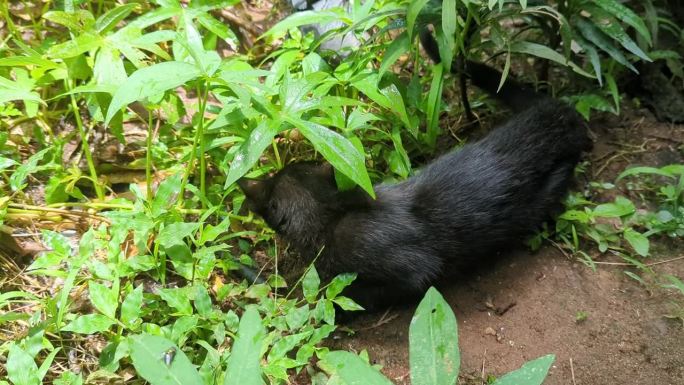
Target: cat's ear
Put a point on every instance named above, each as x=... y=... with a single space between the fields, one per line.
x=254 y=189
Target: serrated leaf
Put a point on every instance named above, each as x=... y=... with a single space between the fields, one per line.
x=89 y=324
x=151 y=81
x=433 y=342
x=531 y=373
x=243 y=366
x=150 y=355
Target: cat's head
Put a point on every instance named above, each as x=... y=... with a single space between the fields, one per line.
x=297 y=202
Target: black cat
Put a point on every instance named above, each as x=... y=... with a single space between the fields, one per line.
x=462 y=208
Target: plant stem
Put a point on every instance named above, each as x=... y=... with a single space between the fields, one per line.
x=203 y=159
x=148 y=157
x=84 y=143
x=198 y=139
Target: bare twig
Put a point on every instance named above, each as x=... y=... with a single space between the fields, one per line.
x=572 y=372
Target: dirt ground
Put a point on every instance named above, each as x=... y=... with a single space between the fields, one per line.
x=604 y=327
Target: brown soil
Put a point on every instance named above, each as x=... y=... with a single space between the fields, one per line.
x=625 y=338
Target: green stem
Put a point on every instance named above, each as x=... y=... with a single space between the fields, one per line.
x=203 y=158
x=198 y=139
x=84 y=143
x=148 y=157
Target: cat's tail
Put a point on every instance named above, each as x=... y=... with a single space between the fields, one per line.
x=512 y=93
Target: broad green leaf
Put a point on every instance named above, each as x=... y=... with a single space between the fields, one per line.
x=531 y=373
x=396 y=104
x=131 y=307
x=160 y=362
x=166 y=195
x=178 y=299
x=620 y=208
x=346 y=368
x=625 y=14
x=111 y=18
x=433 y=342
x=243 y=366
x=310 y=284
x=89 y=324
x=251 y=149
x=16 y=61
x=103 y=298
x=594 y=35
x=151 y=81
x=79 y=45
x=338 y=284
x=545 y=52
x=21 y=368
x=638 y=241
x=347 y=303
x=175 y=233
x=203 y=301
x=338 y=150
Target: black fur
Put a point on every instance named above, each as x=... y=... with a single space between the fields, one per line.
x=462 y=208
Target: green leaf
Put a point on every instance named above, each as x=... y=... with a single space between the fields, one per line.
x=626 y=15
x=89 y=324
x=412 y=13
x=620 y=208
x=531 y=373
x=434 y=103
x=433 y=342
x=338 y=150
x=47 y=362
x=594 y=35
x=638 y=241
x=251 y=149
x=612 y=28
x=302 y=18
x=447 y=32
x=72 y=48
x=175 y=233
x=545 y=52
x=399 y=46
x=21 y=368
x=347 y=303
x=166 y=195
x=346 y=368
x=111 y=18
x=178 y=299
x=151 y=81
x=131 y=307
x=338 y=284
x=243 y=366
x=310 y=284
x=104 y=299
x=644 y=170
x=30 y=166
x=150 y=355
